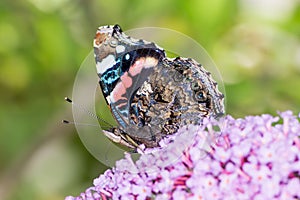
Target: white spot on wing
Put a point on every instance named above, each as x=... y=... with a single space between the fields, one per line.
x=150 y=62
x=127 y=56
x=108 y=99
x=105 y=64
x=120 y=49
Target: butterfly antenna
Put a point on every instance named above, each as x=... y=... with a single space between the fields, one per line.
x=75 y=123
x=67 y=99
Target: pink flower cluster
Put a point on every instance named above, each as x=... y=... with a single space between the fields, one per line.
x=257 y=157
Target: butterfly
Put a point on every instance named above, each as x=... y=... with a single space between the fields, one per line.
x=150 y=95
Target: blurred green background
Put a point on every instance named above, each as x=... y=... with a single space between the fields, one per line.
x=255 y=44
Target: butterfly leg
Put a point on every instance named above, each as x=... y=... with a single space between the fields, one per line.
x=117 y=136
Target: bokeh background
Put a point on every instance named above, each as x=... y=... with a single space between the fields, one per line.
x=255 y=44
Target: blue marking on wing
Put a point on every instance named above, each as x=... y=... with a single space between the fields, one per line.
x=118 y=116
x=110 y=77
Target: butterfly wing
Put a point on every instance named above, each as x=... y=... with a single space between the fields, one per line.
x=150 y=95
x=123 y=65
